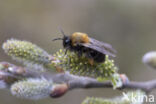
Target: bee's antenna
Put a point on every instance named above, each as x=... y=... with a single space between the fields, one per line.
x=61 y=30
x=57 y=39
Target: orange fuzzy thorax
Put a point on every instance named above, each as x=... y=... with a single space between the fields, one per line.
x=79 y=37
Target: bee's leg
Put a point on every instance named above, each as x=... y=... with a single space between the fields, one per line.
x=59 y=69
x=66 y=51
x=91 y=61
x=66 y=54
x=90 y=53
x=79 y=53
x=79 y=50
x=90 y=57
x=99 y=57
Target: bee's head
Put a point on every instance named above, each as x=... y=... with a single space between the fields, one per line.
x=66 y=39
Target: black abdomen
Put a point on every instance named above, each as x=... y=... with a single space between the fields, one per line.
x=95 y=55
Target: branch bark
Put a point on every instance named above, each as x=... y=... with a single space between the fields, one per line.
x=75 y=82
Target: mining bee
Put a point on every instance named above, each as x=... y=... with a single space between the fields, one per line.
x=93 y=49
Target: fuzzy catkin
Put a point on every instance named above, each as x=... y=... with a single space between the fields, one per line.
x=150 y=59
x=79 y=65
x=28 y=53
x=131 y=97
x=24 y=50
x=32 y=88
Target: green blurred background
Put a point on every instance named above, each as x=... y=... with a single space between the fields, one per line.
x=129 y=25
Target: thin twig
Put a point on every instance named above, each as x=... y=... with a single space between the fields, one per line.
x=75 y=82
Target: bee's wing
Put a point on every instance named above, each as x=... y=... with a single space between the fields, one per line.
x=104 y=45
x=99 y=46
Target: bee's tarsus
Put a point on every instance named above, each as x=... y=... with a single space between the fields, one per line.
x=67 y=48
x=66 y=51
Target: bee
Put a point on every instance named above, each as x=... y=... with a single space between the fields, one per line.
x=81 y=43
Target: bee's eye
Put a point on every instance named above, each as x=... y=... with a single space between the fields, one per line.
x=67 y=40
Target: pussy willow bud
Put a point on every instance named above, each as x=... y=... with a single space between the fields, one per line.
x=6 y=79
x=76 y=65
x=8 y=74
x=12 y=69
x=32 y=88
x=26 y=52
x=150 y=59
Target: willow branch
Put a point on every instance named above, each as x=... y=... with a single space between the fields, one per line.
x=10 y=73
x=75 y=82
